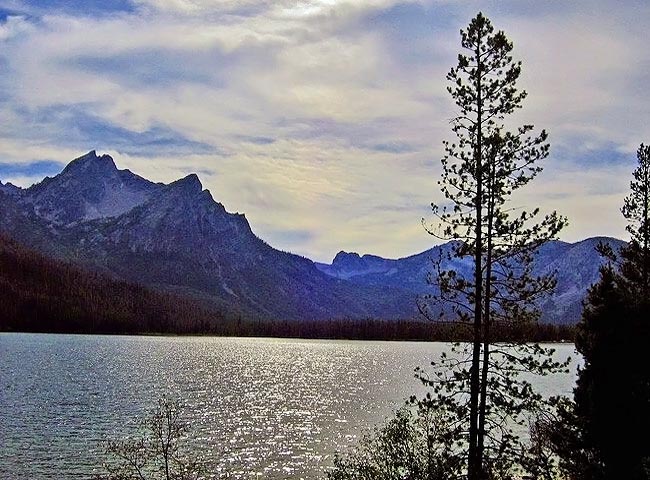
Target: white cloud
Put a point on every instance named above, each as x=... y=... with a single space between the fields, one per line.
x=326 y=116
x=14 y=26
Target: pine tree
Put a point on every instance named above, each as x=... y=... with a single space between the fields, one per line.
x=636 y=210
x=610 y=417
x=478 y=384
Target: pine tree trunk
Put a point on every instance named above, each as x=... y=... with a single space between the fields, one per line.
x=475 y=460
x=646 y=227
x=486 y=317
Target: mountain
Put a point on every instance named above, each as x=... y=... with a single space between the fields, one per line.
x=576 y=266
x=9 y=189
x=409 y=273
x=178 y=239
x=89 y=187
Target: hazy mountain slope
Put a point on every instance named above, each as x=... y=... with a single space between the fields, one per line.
x=576 y=267
x=181 y=237
x=26 y=227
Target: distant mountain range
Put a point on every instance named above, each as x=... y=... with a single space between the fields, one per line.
x=178 y=239
x=576 y=266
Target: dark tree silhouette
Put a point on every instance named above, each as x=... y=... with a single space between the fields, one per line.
x=636 y=210
x=608 y=422
x=157 y=452
x=482 y=168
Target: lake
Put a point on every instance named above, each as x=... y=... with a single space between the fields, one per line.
x=258 y=407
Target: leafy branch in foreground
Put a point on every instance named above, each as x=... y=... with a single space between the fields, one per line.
x=157 y=453
x=413 y=445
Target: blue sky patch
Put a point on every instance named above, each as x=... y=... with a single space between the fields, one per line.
x=410 y=21
x=83 y=130
x=148 y=68
x=74 y=7
x=595 y=158
x=393 y=147
x=257 y=140
x=40 y=168
x=4 y=14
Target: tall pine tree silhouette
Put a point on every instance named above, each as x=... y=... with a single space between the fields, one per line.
x=608 y=423
x=479 y=383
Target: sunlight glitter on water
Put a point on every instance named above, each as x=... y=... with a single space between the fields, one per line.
x=258 y=408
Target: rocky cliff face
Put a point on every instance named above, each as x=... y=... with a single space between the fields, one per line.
x=89 y=187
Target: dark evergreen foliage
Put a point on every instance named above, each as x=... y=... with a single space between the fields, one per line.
x=635 y=268
x=608 y=421
x=40 y=294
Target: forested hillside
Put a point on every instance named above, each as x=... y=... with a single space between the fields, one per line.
x=42 y=294
x=38 y=293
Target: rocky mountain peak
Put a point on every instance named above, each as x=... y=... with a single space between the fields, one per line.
x=88 y=188
x=349 y=261
x=190 y=184
x=180 y=217
x=92 y=163
x=344 y=257
x=10 y=189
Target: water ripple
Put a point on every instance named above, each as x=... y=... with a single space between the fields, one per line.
x=258 y=408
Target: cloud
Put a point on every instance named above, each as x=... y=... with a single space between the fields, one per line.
x=14 y=26
x=393 y=147
x=322 y=120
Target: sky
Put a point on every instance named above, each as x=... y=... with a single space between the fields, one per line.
x=321 y=120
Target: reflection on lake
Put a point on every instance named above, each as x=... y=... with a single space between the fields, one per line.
x=258 y=408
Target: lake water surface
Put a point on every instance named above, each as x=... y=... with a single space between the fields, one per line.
x=258 y=408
